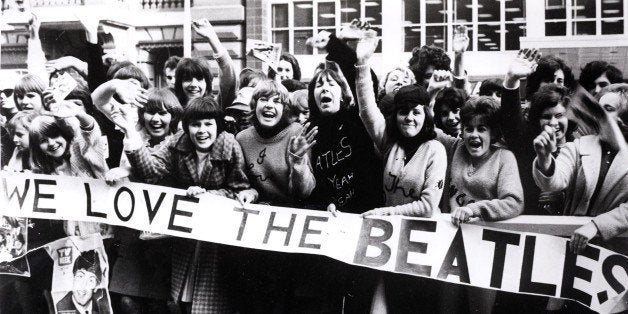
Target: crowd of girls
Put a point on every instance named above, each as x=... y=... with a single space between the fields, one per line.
x=417 y=141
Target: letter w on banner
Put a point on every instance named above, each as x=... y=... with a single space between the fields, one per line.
x=480 y=256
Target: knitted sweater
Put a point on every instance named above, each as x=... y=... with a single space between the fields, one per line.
x=413 y=188
x=490 y=187
x=270 y=169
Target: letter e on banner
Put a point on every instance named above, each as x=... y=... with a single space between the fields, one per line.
x=406 y=246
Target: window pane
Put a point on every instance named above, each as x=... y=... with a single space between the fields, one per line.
x=281 y=37
x=612 y=9
x=412 y=10
x=488 y=37
x=584 y=28
x=326 y=14
x=515 y=11
x=583 y=9
x=300 y=48
x=303 y=13
x=435 y=35
x=556 y=29
x=373 y=11
x=488 y=10
x=613 y=27
x=513 y=34
x=435 y=11
x=349 y=10
x=412 y=38
x=463 y=12
x=280 y=15
x=555 y=9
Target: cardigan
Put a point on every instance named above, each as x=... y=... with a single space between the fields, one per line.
x=271 y=171
x=413 y=188
x=576 y=169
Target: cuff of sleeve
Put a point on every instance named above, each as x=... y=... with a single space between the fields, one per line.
x=516 y=85
x=132 y=144
x=537 y=171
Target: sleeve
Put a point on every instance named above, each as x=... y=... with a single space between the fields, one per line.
x=432 y=188
x=237 y=179
x=613 y=222
x=447 y=140
x=346 y=58
x=227 y=79
x=565 y=167
x=96 y=72
x=511 y=123
x=371 y=116
x=509 y=201
x=35 y=59
x=153 y=166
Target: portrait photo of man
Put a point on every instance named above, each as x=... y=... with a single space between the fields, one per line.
x=85 y=297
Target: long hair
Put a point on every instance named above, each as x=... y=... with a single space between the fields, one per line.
x=345 y=99
x=46 y=127
x=187 y=69
x=486 y=109
x=28 y=84
x=407 y=98
x=21 y=119
x=296 y=69
x=160 y=99
x=548 y=96
x=203 y=108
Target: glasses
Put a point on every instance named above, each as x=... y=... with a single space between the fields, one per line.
x=7 y=92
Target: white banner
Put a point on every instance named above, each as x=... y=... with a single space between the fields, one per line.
x=484 y=257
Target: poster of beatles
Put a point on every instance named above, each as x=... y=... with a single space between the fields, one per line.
x=13 y=240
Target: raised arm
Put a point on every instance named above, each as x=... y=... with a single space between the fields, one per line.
x=227 y=73
x=460 y=45
x=35 y=58
x=371 y=116
x=96 y=72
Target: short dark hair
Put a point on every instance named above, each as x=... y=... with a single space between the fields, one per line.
x=172 y=62
x=484 y=107
x=548 y=96
x=595 y=69
x=426 y=56
x=544 y=73
x=407 y=98
x=250 y=77
x=117 y=66
x=162 y=99
x=454 y=98
x=187 y=69
x=296 y=69
x=201 y=108
x=489 y=86
x=88 y=261
x=133 y=72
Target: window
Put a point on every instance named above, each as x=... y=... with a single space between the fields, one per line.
x=293 y=22
x=498 y=23
x=584 y=17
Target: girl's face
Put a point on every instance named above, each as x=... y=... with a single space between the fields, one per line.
x=203 y=133
x=611 y=102
x=410 y=121
x=269 y=111
x=284 y=70
x=327 y=95
x=396 y=80
x=157 y=124
x=30 y=101
x=450 y=119
x=54 y=147
x=555 y=117
x=477 y=138
x=20 y=138
x=304 y=115
x=600 y=82
x=194 y=88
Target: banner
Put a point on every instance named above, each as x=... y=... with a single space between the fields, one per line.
x=480 y=256
x=80 y=275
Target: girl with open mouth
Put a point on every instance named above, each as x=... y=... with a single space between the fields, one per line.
x=204 y=158
x=276 y=151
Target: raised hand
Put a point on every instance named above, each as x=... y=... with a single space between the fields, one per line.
x=64 y=109
x=524 y=64
x=131 y=93
x=331 y=208
x=90 y=21
x=204 y=28
x=440 y=79
x=319 y=41
x=301 y=144
x=581 y=237
x=65 y=63
x=544 y=146
x=356 y=30
x=33 y=26
x=460 y=43
x=461 y=215
x=366 y=46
